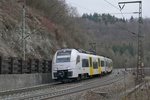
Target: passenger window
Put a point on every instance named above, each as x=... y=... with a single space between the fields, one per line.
x=95 y=66
x=106 y=64
x=85 y=63
x=102 y=63
x=78 y=59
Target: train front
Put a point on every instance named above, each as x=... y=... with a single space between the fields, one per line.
x=64 y=64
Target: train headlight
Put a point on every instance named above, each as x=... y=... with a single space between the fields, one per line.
x=55 y=68
x=68 y=68
x=61 y=74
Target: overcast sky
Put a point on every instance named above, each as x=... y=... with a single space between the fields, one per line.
x=101 y=6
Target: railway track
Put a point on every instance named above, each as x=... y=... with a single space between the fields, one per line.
x=57 y=89
x=9 y=95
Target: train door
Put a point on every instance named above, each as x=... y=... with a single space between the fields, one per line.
x=91 y=66
x=95 y=66
x=105 y=64
x=99 y=66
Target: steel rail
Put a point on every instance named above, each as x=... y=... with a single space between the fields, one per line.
x=54 y=90
x=80 y=89
x=33 y=88
x=70 y=90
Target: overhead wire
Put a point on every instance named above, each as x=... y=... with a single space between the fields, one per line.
x=115 y=7
x=122 y=17
x=123 y=28
x=80 y=6
x=109 y=13
x=102 y=13
x=123 y=13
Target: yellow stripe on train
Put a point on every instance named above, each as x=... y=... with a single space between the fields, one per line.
x=91 y=66
x=99 y=66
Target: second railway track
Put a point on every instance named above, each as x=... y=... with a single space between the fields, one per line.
x=54 y=90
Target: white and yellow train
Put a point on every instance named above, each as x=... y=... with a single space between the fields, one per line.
x=77 y=64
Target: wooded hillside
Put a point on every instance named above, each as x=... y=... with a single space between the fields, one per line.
x=52 y=24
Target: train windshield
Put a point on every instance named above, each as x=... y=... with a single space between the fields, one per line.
x=63 y=56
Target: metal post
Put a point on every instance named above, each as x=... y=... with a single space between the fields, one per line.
x=20 y=66
x=11 y=66
x=29 y=67
x=140 y=58
x=140 y=64
x=44 y=66
x=23 y=30
x=0 y=64
x=93 y=46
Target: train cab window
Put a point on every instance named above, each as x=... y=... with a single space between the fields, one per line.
x=85 y=63
x=63 y=56
x=102 y=63
x=62 y=60
x=106 y=64
x=78 y=59
x=64 y=53
x=95 y=65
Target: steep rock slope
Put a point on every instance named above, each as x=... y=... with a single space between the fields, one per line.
x=44 y=35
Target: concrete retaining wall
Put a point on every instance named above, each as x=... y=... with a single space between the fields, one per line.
x=15 y=81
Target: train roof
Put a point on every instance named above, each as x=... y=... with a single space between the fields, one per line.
x=83 y=51
x=79 y=50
